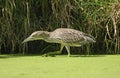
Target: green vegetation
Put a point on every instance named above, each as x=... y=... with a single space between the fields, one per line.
x=19 y=18
x=60 y=66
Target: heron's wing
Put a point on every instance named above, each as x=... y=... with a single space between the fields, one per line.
x=72 y=37
x=68 y=36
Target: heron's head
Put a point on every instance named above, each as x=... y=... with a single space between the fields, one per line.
x=37 y=35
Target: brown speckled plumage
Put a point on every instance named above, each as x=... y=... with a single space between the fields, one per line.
x=65 y=36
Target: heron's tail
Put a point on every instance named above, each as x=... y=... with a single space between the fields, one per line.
x=90 y=38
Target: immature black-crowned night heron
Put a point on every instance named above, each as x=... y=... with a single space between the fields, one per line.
x=64 y=36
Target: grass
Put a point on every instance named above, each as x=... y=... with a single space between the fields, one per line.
x=106 y=66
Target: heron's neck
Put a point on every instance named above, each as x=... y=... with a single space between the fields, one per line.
x=46 y=35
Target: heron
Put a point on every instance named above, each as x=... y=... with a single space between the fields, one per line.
x=67 y=37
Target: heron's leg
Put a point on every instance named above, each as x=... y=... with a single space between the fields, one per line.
x=61 y=48
x=68 y=50
x=56 y=52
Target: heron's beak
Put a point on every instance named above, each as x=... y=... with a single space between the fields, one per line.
x=27 y=39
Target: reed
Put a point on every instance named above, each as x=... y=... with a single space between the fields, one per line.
x=19 y=18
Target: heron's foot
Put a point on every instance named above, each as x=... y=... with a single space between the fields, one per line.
x=52 y=54
x=68 y=55
x=47 y=55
